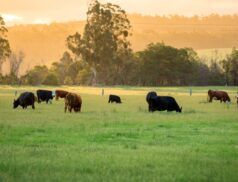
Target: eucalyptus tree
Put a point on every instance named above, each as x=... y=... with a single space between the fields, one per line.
x=104 y=39
x=5 y=50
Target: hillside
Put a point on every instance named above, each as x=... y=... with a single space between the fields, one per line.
x=44 y=44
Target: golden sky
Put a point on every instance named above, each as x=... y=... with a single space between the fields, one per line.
x=46 y=11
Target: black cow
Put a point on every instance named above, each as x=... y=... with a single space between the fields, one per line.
x=148 y=97
x=114 y=98
x=24 y=100
x=44 y=95
x=162 y=103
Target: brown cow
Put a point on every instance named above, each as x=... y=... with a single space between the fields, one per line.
x=60 y=94
x=219 y=95
x=73 y=101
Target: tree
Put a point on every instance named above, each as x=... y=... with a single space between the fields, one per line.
x=166 y=65
x=5 y=50
x=51 y=79
x=216 y=76
x=15 y=61
x=61 y=68
x=233 y=59
x=68 y=81
x=37 y=75
x=230 y=66
x=105 y=35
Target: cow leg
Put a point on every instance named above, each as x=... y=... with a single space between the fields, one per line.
x=70 y=109
x=149 y=108
x=65 y=107
x=33 y=106
x=210 y=99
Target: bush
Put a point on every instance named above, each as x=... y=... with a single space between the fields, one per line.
x=68 y=81
x=51 y=79
x=84 y=77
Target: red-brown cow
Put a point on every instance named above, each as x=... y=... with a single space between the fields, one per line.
x=60 y=94
x=219 y=95
x=73 y=101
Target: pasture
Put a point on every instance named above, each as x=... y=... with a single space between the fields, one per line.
x=119 y=142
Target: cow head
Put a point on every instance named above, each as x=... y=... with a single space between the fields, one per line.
x=15 y=103
x=180 y=109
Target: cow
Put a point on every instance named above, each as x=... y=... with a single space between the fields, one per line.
x=218 y=95
x=73 y=101
x=114 y=98
x=60 y=94
x=162 y=103
x=44 y=95
x=24 y=100
x=148 y=97
x=237 y=99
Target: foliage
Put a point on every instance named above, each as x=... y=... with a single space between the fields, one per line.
x=84 y=77
x=230 y=66
x=102 y=55
x=36 y=76
x=166 y=65
x=105 y=38
x=51 y=79
x=61 y=68
x=5 y=50
x=68 y=80
x=15 y=61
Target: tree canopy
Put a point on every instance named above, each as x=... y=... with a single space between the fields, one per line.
x=5 y=50
x=104 y=41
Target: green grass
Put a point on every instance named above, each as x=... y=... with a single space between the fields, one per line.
x=110 y=142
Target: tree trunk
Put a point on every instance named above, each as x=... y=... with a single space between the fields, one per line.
x=94 y=80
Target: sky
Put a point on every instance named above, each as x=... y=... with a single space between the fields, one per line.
x=47 y=11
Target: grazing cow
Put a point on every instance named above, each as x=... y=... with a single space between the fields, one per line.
x=114 y=98
x=24 y=100
x=148 y=97
x=237 y=99
x=162 y=103
x=44 y=95
x=60 y=94
x=73 y=101
x=218 y=95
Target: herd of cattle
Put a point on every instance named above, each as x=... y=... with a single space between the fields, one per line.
x=73 y=101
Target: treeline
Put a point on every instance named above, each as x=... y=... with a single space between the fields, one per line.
x=157 y=65
x=44 y=44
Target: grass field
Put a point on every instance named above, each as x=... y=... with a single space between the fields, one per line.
x=119 y=142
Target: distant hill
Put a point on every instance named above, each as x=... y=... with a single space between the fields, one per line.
x=44 y=44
